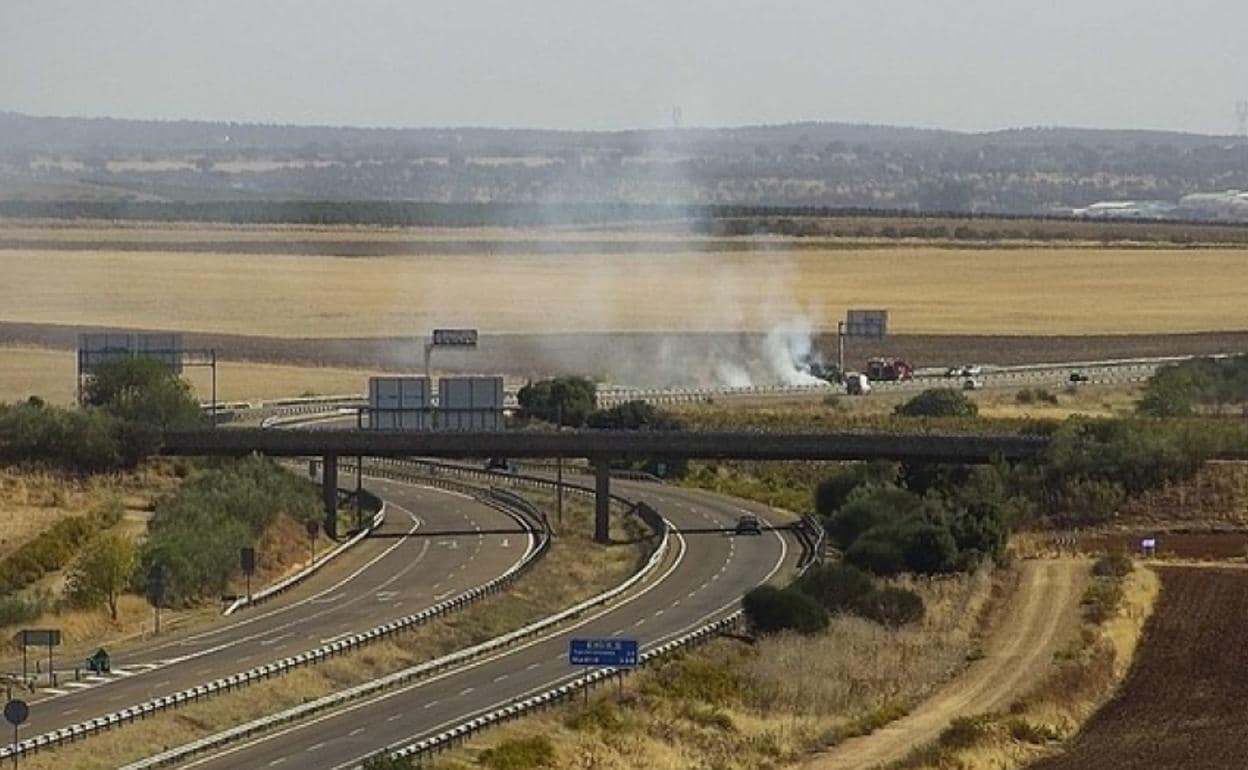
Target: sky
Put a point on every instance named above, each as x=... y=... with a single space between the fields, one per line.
x=609 y=64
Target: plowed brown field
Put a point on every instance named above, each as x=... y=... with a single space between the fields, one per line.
x=1182 y=706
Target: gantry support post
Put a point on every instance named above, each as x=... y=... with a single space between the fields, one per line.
x=602 y=500
x=329 y=493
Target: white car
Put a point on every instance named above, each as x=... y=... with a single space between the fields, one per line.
x=970 y=383
x=972 y=370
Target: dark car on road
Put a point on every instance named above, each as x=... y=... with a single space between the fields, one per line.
x=749 y=524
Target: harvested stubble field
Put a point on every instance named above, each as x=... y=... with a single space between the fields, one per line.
x=1181 y=707
x=269 y=285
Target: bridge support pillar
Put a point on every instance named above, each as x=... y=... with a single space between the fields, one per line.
x=329 y=493
x=602 y=501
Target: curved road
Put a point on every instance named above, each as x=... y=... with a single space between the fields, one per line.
x=432 y=545
x=703 y=579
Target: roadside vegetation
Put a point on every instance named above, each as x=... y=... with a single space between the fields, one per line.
x=574 y=569
x=1198 y=386
x=739 y=704
x=1116 y=605
x=83 y=548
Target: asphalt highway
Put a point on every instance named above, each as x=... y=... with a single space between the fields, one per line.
x=704 y=578
x=432 y=545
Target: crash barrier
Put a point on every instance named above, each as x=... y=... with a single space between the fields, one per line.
x=812 y=548
x=367 y=499
x=406 y=676
x=320 y=654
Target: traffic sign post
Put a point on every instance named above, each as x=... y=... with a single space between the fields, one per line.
x=446 y=338
x=868 y=324
x=603 y=653
x=38 y=637
x=312 y=527
x=156 y=590
x=247 y=561
x=15 y=713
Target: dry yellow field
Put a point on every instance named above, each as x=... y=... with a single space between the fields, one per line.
x=49 y=374
x=694 y=286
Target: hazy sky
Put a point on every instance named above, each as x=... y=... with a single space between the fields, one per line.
x=964 y=64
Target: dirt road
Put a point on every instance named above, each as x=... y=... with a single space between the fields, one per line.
x=1041 y=617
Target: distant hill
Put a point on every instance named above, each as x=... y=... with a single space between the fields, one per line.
x=58 y=134
x=1046 y=171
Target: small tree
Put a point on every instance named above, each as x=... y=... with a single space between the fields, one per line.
x=573 y=397
x=143 y=391
x=938 y=402
x=103 y=571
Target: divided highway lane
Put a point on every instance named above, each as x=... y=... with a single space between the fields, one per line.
x=433 y=544
x=704 y=580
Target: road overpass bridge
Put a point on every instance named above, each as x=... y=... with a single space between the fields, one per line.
x=600 y=447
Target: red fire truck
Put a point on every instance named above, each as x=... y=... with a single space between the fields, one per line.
x=889 y=370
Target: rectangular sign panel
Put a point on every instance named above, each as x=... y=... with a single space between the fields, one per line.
x=455 y=338
x=96 y=348
x=470 y=393
x=872 y=324
x=602 y=652
x=38 y=637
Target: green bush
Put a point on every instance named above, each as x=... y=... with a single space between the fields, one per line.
x=838 y=586
x=1115 y=565
x=892 y=607
x=50 y=550
x=1034 y=396
x=196 y=536
x=834 y=491
x=383 y=761
x=877 y=551
x=1101 y=599
x=938 y=402
x=770 y=609
x=22 y=608
x=520 y=754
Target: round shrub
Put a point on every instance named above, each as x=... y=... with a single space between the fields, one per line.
x=770 y=609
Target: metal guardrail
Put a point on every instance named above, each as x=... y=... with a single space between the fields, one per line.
x=405 y=676
x=290 y=663
x=811 y=535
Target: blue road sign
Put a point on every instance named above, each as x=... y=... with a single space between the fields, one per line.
x=602 y=652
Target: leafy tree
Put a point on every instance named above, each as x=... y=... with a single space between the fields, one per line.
x=143 y=391
x=878 y=551
x=834 y=491
x=103 y=571
x=869 y=507
x=770 y=609
x=938 y=402
x=543 y=400
x=927 y=548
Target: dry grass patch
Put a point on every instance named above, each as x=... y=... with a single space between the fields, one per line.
x=574 y=569
x=928 y=289
x=1082 y=678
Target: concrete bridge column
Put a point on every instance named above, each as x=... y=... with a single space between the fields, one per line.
x=602 y=501
x=329 y=493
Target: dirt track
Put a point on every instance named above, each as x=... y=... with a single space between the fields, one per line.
x=1041 y=617
x=1182 y=705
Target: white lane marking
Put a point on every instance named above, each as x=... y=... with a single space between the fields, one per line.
x=355 y=732
x=500 y=677
x=467 y=691
x=532 y=666
x=393 y=717
x=431 y=704
x=336 y=637
x=277 y=761
x=316 y=746
x=276 y=639
x=506 y=542
x=67 y=712
x=338 y=713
